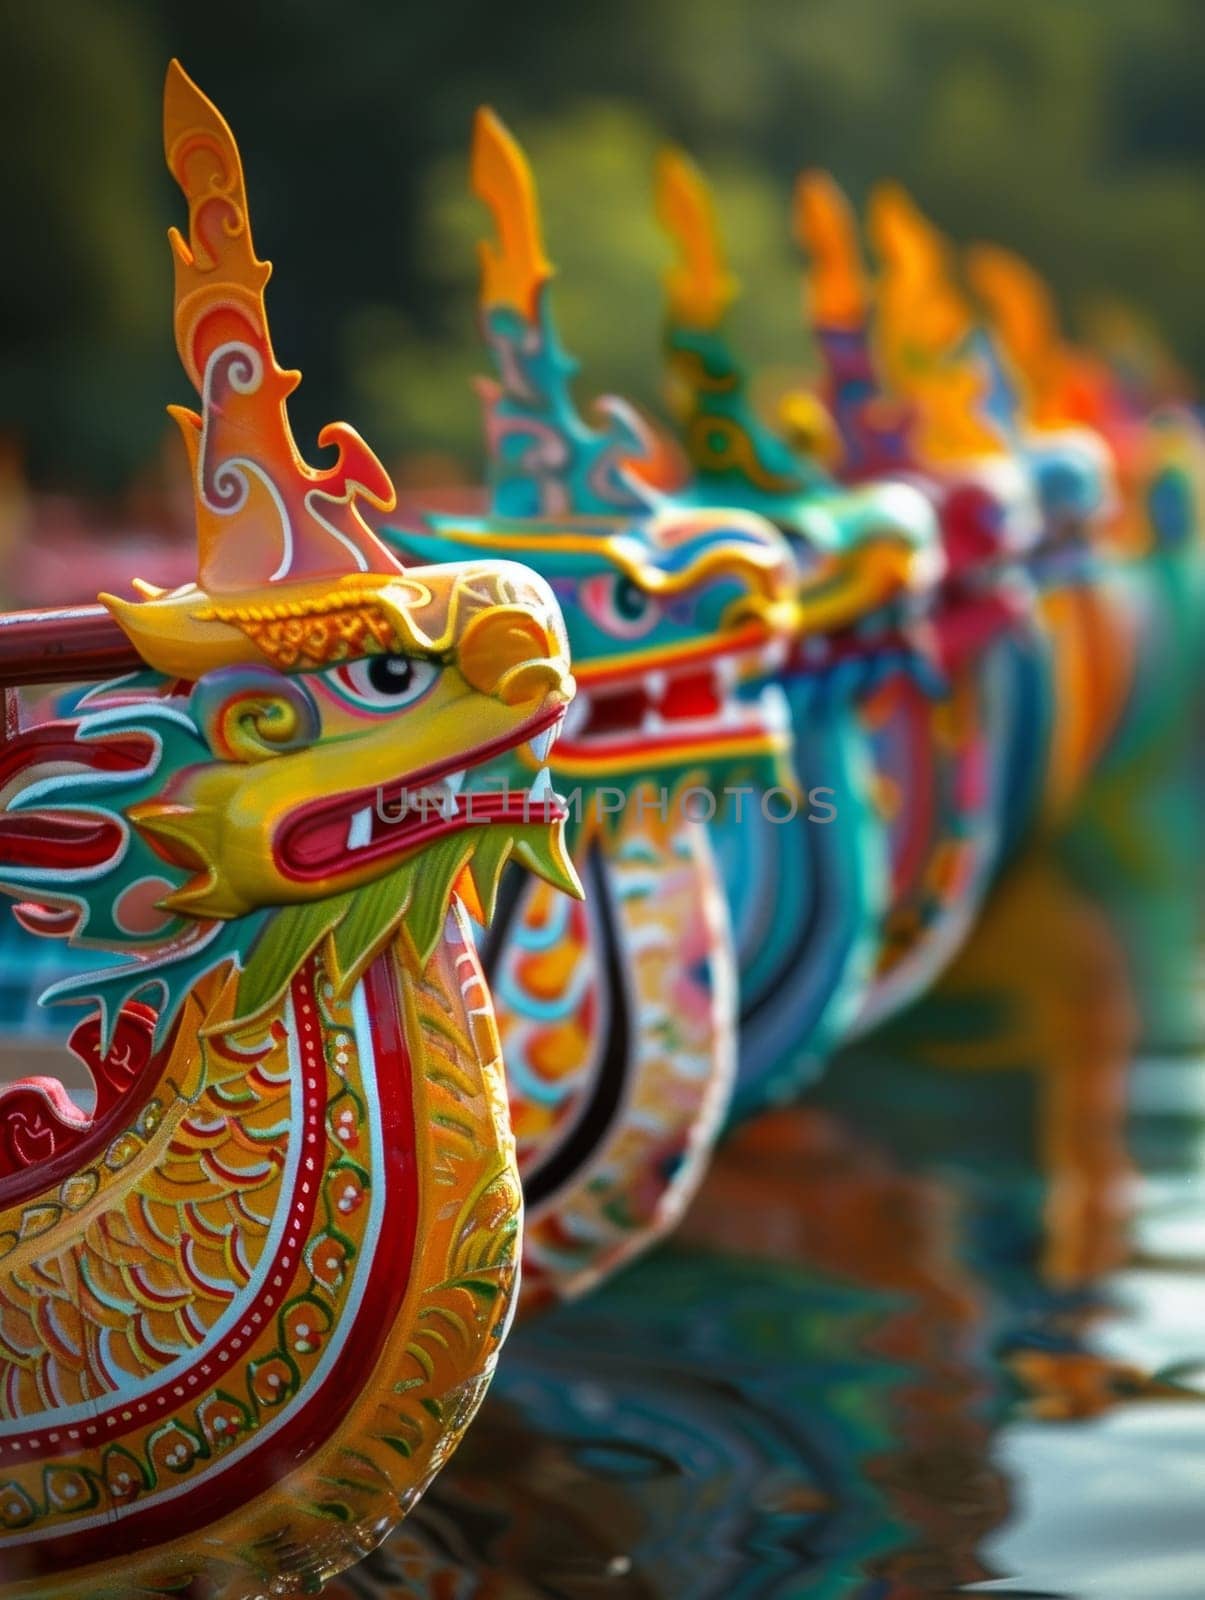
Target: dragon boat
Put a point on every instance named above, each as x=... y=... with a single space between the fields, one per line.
x=890 y=670
x=618 y=1016
x=249 y=1303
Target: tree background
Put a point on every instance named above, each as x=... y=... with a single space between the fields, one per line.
x=1073 y=130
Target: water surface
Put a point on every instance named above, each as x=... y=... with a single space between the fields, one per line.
x=938 y=1329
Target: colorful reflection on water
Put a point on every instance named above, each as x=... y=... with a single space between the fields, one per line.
x=937 y=1329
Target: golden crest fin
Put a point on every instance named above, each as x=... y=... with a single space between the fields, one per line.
x=1019 y=304
x=826 y=228
x=924 y=323
x=514 y=267
x=699 y=286
x=264 y=517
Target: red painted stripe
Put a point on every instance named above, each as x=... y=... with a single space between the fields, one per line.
x=212 y=1360
x=914 y=744
x=142 y=1526
x=76 y=1148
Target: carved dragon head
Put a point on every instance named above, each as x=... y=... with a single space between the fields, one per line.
x=262 y=787
x=1071 y=462
x=934 y=352
x=912 y=384
x=858 y=547
x=669 y=606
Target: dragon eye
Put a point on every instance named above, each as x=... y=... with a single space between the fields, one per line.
x=631 y=602
x=384 y=683
x=620 y=605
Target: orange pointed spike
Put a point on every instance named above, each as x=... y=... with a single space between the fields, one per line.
x=204 y=160
x=923 y=323
x=917 y=264
x=263 y=515
x=700 y=287
x=825 y=226
x=514 y=268
x=901 y=233
x=1019 y=303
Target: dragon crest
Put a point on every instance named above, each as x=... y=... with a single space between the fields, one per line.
x=251 y=793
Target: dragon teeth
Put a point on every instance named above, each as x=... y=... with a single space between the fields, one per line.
x=432 y=797
x=577 y=714
x=775 y=708
x=727 y=670
x=774 y=655
x=541 y=788
x=540 y=744
x=454 y=781
x=359 y=832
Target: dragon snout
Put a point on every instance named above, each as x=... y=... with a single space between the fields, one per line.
x=514 y=656
x=766 y=579
x=739 y=550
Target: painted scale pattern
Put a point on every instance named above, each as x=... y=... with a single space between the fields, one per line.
x=937 y=785
x=252 y=1265
x=620 y=1049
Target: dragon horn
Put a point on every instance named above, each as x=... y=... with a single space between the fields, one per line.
x=263 y=515
x=699 y=286
x=514 y=268
x=271 y=531
x=544 y=459
x=838 y=294
x=1019 y=304
x=917 y=263
x=725 y=439
x=931 y=345
x=901 y=234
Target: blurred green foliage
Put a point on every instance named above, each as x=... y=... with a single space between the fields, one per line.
x=1073 y=130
